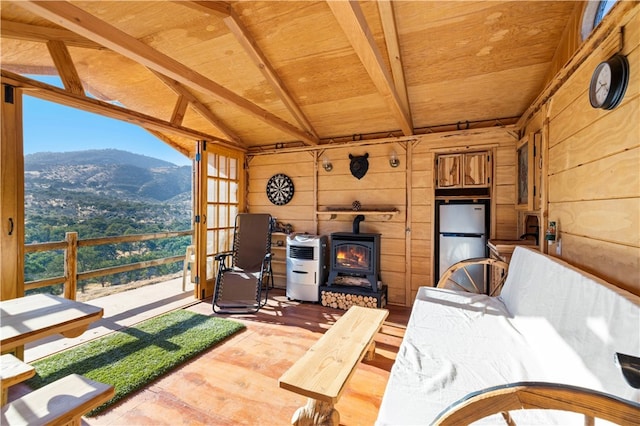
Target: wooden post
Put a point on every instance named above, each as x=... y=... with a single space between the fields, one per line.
x=544 y=185
x=71 y=265
x=408 y=223
x=316 y=179
x=11 y=195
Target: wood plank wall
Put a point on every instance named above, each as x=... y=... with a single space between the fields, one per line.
x=594 y=167
x=408 y=188
x=382 y=187
x=301 y=168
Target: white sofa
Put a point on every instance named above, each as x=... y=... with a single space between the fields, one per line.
x=551 y=323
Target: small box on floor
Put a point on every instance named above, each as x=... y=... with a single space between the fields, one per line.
x=343 y=297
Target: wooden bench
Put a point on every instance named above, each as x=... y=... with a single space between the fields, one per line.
x=13 y=371
x=325 y=369
x=59 y=403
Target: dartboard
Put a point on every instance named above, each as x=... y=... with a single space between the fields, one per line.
x=280 y=189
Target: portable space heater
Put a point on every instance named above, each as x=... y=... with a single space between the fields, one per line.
x=306 y=266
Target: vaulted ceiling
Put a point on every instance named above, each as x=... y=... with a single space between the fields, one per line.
x=263 y=74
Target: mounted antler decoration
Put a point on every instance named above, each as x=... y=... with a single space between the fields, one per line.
x=359 y=165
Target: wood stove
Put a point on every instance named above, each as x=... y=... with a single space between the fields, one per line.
x=355 y=260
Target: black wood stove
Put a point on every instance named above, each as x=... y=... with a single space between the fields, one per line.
x=355 y=258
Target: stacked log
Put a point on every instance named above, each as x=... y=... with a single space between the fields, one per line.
x=345 y=300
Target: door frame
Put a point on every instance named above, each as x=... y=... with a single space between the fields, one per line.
x=204 y=288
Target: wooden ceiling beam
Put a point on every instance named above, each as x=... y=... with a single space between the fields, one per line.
x=179 y=110
x=200 y=108
x=83 y=23
x=238 y=29
x=52 y=71
x=350 y=17
x=55 y=94
x=28 y=32
x=66 y=69
x=387 y=17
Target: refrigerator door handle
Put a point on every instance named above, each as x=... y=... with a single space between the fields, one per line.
x=454 y=234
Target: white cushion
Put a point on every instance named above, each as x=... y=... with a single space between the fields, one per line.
x=570 y=317
x=551 y=323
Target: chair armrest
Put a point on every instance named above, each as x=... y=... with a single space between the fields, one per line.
x=222 y=255
x=221 y=258
x=539 y=395
x=265 y=268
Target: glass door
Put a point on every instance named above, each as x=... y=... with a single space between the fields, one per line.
x=219 y=202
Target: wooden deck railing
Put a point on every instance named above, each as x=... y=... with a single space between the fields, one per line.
x=70 y=246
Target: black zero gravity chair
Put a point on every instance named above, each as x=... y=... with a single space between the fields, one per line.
x=239 y=282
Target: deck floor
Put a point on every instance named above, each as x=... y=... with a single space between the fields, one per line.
x=236 y=382
x=121 y=309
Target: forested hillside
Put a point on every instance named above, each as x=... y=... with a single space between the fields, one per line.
x=99 y=193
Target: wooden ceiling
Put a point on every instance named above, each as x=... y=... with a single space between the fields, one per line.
x=264 y=74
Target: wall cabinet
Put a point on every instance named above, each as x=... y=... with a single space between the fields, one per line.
x=463 y=170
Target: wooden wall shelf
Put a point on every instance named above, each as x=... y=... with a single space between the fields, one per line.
x=333 y=213
x=279 y=259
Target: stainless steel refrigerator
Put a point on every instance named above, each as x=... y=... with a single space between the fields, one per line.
x=462 y=234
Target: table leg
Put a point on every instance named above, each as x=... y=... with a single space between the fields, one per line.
x=371 y=352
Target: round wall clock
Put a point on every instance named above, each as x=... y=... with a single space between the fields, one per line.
x=609 y=82
x=280 y=189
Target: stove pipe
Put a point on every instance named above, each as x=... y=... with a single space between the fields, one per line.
x=356 y=223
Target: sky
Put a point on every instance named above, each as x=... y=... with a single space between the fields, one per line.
x=51 y=127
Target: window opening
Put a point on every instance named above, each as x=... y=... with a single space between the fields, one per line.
x=594 y=13
x=603 y=8
x=83 y=175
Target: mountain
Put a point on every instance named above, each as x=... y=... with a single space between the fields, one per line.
x=101 y=157
x=109 y=172
x=106 y=185
x=104 y=193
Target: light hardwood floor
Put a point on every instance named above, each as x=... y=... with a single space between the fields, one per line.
x=237 y=382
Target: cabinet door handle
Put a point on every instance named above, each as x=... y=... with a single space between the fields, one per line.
x=10 y=225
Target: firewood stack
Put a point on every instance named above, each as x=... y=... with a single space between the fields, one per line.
x=345 y=301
